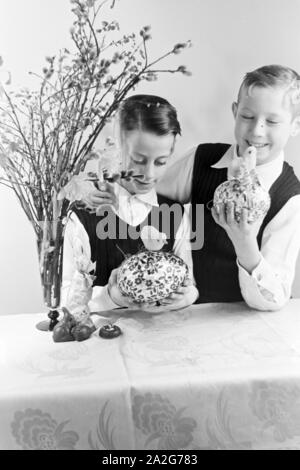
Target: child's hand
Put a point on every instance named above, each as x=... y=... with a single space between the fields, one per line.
x=98 y=198
x=116 y=295
x=185 y=295
x=243 y=234
x=237 y=231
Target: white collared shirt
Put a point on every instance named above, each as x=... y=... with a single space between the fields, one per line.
x=132 y=209
x=268 y=286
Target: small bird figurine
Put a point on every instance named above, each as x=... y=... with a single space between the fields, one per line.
x=152 y=238
x=243 y=188
x=241 y=166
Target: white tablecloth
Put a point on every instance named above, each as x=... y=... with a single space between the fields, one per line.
x=215 y=376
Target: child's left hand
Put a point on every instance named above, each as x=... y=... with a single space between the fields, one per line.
x=185 y=295
x=237 y=231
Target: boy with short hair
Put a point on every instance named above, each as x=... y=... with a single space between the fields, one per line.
x=255 y=261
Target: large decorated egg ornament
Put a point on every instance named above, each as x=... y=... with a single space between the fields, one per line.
x=244 y=189
x=150 y=275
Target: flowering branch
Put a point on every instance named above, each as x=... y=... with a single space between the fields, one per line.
x=48 y=135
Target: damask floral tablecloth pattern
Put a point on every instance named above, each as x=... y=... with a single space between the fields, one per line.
x=216 y=376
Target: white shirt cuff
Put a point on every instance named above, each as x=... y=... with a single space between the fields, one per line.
x=262 y=277
x=101 y=300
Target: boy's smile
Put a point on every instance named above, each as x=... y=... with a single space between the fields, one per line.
x=263 y=119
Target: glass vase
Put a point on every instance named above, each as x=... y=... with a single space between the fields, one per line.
x=50 y=252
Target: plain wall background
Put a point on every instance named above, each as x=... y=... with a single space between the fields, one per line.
x=229 y=39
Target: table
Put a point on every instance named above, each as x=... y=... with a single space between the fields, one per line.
x=214 y=376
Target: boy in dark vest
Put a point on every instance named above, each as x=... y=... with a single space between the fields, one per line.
x=148 y=127
x=256 y=261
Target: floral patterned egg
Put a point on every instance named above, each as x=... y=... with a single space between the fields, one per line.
x=150 y=276
x=245 y=194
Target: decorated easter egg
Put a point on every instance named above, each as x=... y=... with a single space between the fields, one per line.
x=248 y=195
x=151 y=276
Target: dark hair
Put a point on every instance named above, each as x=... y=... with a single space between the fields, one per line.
x=148 y=113
x=271 y=76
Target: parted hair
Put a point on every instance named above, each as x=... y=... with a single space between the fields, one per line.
x=148 y=113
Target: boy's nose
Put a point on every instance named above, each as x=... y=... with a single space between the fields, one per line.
x=149 y=172
x=258 y=128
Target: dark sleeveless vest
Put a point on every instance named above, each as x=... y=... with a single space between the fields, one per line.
x=111 y=238
x=215 y=269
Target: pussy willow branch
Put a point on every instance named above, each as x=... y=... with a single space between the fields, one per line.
x=145 y=52
x=116 y=80
x=88 y=144
x=86 y=148
x=43 y=148
x=63 y=126
x=12 y=130
x=48 y=158
x=4 y=184
x=19 y=184
x=161 y=58
x=53 y=143
x=24 y=201
x=11 y=164
x=96 y=88
x=82 y=107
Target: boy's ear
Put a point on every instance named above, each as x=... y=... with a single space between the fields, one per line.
x=234 y=108
x=295 y=126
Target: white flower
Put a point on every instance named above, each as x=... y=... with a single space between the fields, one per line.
x=109 y=160
x=78 y=188
x=82 y=259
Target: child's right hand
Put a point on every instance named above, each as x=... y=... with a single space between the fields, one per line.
x=116 y=295
x=97 y=198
